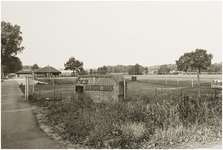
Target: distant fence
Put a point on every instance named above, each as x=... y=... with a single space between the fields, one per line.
x=177 y=80
x=56 y=88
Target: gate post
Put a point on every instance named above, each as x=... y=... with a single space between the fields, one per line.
x=25 y=87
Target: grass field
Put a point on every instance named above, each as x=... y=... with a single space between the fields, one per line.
x=144 y=83
x=155 y=114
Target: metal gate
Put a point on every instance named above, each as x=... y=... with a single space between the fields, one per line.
x=29 y=87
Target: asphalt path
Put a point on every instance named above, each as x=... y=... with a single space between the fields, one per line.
x=19 y=129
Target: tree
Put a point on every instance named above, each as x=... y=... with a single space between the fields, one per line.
x=102 y=70
x=196 y=60
x=184 y=62
x=35 y=66
x=200 y=60
x=146 y=69
x=91 y=72
x=14 y=65
x=216 y=67
x=11 y=40
x=74 y=65
x=164 y=69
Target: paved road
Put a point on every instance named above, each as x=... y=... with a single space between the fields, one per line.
x=19 y=129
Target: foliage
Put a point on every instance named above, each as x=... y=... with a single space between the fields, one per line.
x=216 y=67
x=157 y=118
x=136 y=70
x=164 y=69
x=74 y=65
x=11 y=40
x=14 y=65
x=35 y=66
x=91 y=71
x=83 y=72
x=200 y=59
x=184 y=62
x=22 y=87
x=196 y=60
x=102 y=69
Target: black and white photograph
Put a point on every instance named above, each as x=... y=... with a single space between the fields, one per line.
x=111 y=74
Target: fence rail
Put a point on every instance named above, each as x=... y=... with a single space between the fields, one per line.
x=176 y=80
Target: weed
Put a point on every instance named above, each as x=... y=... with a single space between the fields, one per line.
x=153 y=117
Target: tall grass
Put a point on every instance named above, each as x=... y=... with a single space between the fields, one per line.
x=161 y=117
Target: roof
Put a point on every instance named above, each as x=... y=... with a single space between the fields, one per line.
x=24 y=72
x=117 y=78
x=48 y=69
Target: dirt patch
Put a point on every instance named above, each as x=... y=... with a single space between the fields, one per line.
x=201 y=145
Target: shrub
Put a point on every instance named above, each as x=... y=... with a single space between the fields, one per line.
x=162 y=117
x=22 y=87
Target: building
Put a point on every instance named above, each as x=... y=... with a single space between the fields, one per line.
x=47 y=71
x=24 y=72
x=101 y=88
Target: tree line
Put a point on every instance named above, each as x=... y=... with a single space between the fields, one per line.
x=130 y=69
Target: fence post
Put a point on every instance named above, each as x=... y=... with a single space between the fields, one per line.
x=124 y=88
x=166 y=80
x=33 y=84
x=27 y=96
x=211 y=83
x=53 y=89
x=192 y=83
x=25 y=87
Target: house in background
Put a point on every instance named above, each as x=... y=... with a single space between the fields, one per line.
x=66 y=73
x=47 y=71
x=24 y=72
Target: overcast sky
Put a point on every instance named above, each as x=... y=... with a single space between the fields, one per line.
x=111 y=33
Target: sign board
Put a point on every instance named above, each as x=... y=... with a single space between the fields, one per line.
x=99 y=88
x=216 y=84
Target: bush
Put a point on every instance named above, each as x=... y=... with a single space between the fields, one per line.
x=22 y=87
x=161 y=117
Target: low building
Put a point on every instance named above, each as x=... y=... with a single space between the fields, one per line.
x=24 y=72
x=47 y=71
x=102 y=88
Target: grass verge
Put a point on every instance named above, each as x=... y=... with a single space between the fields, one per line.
x=148 y=119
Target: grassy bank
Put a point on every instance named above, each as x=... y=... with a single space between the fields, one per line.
x=148 y=119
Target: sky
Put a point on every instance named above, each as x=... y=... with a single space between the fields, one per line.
x=102 y=33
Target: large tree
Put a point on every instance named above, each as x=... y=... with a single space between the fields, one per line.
x=198 y=59
x=74 y=65
x=14 y=65
x=11 y=40
x=184 y=62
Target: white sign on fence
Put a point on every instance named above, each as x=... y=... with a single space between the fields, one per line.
x=216 y=84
